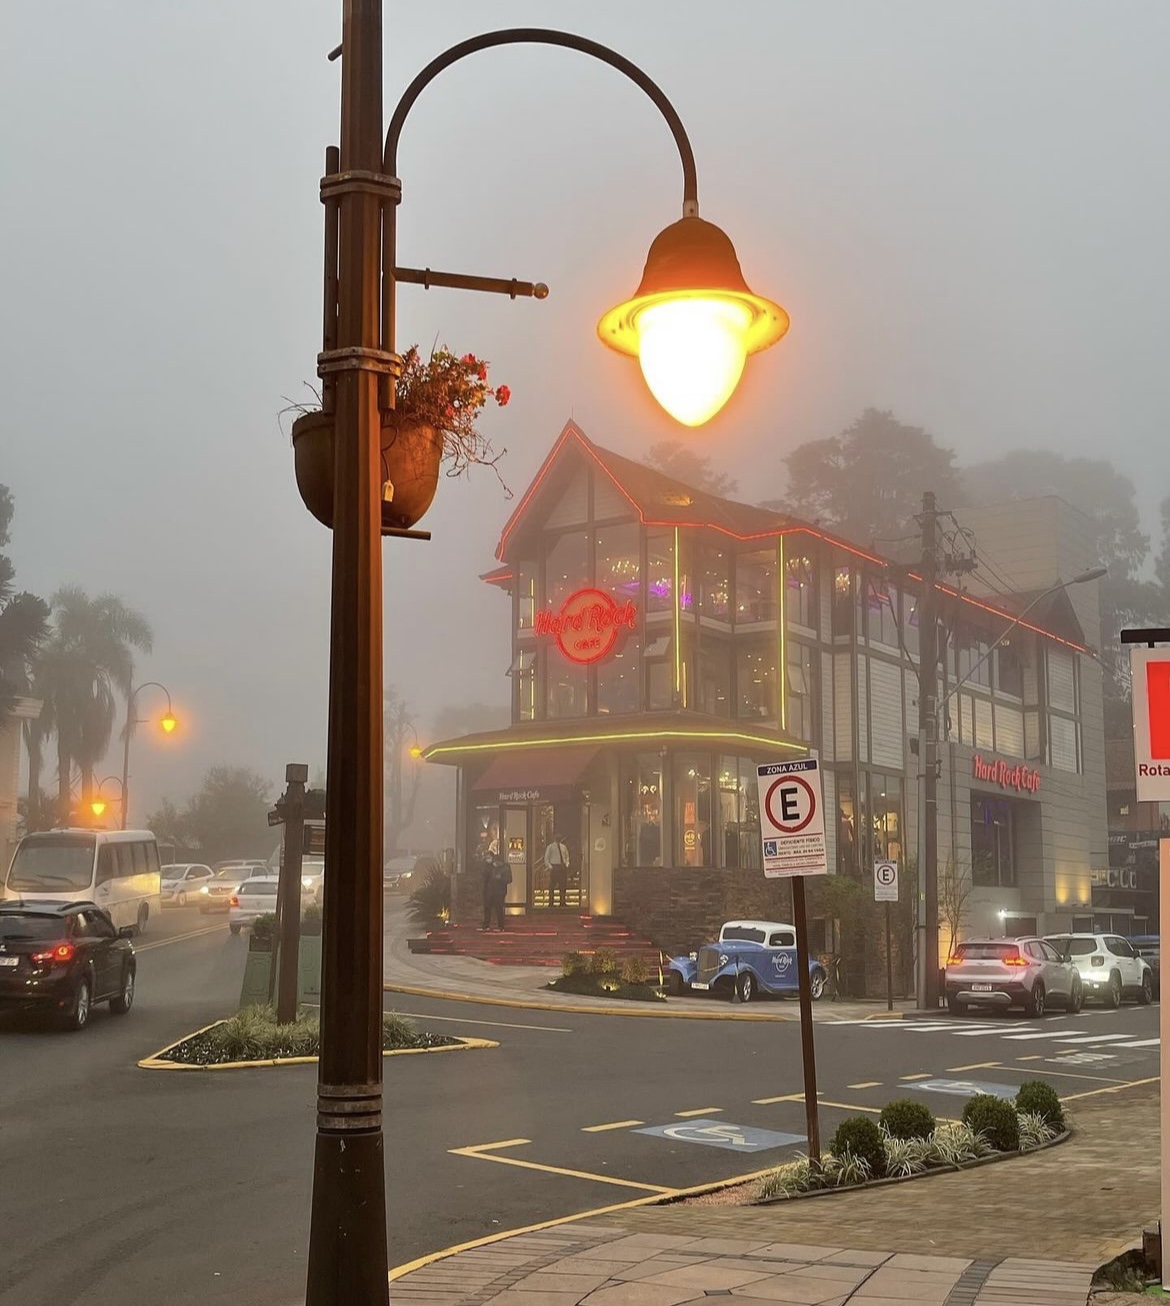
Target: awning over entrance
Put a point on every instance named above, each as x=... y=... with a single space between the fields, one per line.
x=533 y=774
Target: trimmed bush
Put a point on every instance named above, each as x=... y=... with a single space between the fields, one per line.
x=574 y=963
x=604 y=962
x=1038 y=1098
x=906 y=1118
x=995 y=1119
x=635 y=970
x=859 y=1137
x=264 y=928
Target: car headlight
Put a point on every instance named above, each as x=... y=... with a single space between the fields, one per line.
x=205 y=889
x=724 y=960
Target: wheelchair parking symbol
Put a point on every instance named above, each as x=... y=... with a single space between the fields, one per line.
x=722 y=1133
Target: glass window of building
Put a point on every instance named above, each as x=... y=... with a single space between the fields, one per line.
x=972 y=665
x=618 y=679
x=687 y=598
x=848 y=860
x=566 y=568
x=693 y=834
x=618 y=554
x=715 y=585
x=641 y=809
x=886 y=816
x=659 y=662
x=483 y=834
x=714 y=676
x=910 y=622
x=993 y=842
x=755 y=587
x=879 y=601
x=1009 y=670
x=755 y=679
x=523 y=672
x=659 y=571
x=801 y=593
x=842 y=602
x=800 y=691
x=566 y=686
x=739 y=813
x=525 y=596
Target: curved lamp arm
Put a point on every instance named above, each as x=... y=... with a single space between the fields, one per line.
x=547 y=36
x=147 y=684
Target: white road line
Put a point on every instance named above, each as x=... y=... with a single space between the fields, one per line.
x=1050 y=1033
x=1094 y=1038
x=1141 y=1043
x=997 y=1029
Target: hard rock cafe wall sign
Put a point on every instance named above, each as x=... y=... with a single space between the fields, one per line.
x=588 y=626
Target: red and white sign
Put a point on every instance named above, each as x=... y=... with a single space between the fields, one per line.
x=1007 y=775
x=1150 y=673
x=792 y=818
x=588 y=624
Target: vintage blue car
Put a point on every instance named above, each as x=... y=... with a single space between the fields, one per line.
x=749 y=958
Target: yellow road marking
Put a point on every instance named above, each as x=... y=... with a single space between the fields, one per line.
x=178 y=938
x=482 y=1152
x=1068 y=1074
x=1113 y=1088
x=768 y=1101
x=845 y=1106
x=493 y=1024
x=700 y=1111
x=868 y=1083
x=1036 y=1056
x=617 y=1124
x=977 y=1065
x=914 y=1076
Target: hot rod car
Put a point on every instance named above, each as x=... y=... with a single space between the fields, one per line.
x=749 y=958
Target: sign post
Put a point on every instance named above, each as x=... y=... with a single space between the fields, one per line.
x=885 y=889
x=792 y=823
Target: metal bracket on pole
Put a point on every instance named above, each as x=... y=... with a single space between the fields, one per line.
x=510 y=286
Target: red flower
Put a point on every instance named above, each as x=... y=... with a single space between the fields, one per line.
x=469 y=359
x=481 y=371
x=503 y=394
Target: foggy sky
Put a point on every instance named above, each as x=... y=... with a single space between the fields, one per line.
x=963 y=207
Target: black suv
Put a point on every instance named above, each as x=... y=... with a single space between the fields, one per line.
x=64 y=957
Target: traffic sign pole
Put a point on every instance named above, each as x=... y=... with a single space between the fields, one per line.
x=889 y=964
x=807 y=1051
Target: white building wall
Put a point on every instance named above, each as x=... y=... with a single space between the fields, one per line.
x=843 y=707
x=888 y=728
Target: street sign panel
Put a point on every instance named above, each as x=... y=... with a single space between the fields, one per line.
x=792 y=818
x=885 y=881
x=1150 y=677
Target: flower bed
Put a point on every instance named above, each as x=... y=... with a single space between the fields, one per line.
x=254 y=1035
x=906 y=1142
x=600 y=975
x=607 y=986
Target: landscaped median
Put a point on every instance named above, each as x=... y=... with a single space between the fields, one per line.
x=907 y=1142
x=252 y=1038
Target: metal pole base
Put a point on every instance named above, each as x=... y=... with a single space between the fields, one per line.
x=347 y=1239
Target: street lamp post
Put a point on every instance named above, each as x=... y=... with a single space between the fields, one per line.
x=168 y=721
x=692 y=290
x=98 y=803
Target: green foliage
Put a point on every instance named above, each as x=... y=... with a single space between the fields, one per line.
x=635 y=970
x=995 y=1119
x=906 y=1118
x=1037 y=1097
x=1034 y=1130
x=906 y=1156
x=858 y=1136
x=226 y=817
x=264 y=928
x=24 y=621
x=574 y=963
x=431 y=901
x=603 y=962
x=312 y=920
x=953 y=1144
x=680 y=462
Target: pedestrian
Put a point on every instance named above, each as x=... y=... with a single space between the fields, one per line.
x=487 y=876
x=501 y=878
x=556 y=859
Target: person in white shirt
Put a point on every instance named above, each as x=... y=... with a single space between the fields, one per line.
x=556 y=859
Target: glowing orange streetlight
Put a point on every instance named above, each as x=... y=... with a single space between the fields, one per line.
x=99 y=804
x=168 y=721
x=416 y=751
x=98 y=807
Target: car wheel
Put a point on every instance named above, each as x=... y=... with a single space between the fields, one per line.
x=143 y=917
x=1113 y=996
x=746 y=986
x=1036 y=1000
x=1146 y=996
x=235 y=929
x=816 y=985
x=954 y=1006
x=77 y=1016
x=1077 y=1001
x=122 y=1003
x=674 y=984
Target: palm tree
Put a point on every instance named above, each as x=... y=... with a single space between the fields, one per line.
x=87 y=661
x=23 y=620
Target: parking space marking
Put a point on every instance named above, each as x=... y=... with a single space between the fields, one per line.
x=770 y=1101
x=868 y=1083
x=978 y=1065
x=701 y=1111
x=617 y=1124
x=486 y=1151
x=495 y=1024
x=1036 y=1056
x=1113 y=1088
x=908 y=1077
x=841 y=1106
x=1066 y=1074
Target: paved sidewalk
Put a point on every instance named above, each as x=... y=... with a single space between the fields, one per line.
x=470 y=977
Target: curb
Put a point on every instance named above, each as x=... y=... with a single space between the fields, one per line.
x=157 y=1060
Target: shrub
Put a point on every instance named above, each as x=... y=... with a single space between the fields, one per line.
x=1038 y=1098
x=431 y=901
x=861 y=1138
x=1034 y=1130
x=995 y=1119
x=604 y=962
x=906 y=1156
x=264 y=928
x=953 y=1144
x=906 y=1118
x=312 y=920
x=635 y=970
x=574 y=963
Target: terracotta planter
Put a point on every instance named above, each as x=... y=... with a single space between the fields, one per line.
x=411 y=455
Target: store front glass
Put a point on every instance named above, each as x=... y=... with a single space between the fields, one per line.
x=693 y=835
x=993 y=841
x=641 y=809
x=739 y=813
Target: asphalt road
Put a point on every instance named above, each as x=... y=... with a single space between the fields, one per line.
x=127 y=1186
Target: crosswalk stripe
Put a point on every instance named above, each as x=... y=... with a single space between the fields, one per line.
x=1093 y=1038
x=1140 y=1043
x=1051 y=1033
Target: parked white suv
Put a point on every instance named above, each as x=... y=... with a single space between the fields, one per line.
x=1109 y=966
x=1002 y=973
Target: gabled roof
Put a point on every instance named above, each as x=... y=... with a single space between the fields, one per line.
x=660 y=500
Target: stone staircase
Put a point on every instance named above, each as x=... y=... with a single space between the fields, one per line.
x=538 y=940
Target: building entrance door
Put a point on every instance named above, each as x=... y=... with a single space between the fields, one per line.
x=557 y=890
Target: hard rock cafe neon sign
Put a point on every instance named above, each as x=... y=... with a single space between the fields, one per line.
x=994 y=770
x=588 y=625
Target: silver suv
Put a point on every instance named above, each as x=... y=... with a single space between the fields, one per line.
x=1110 y=967
x=1004 y=973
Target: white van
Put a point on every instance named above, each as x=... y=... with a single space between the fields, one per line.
x=117 y=869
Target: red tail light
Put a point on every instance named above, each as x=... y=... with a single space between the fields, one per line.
x=1015 y=961
x=954 y=960
x=59 y=952
x=233 y=901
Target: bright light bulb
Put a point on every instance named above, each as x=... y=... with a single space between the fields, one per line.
x=692 y=353
x=168 y=723
x=98 y=806
x=416 y=751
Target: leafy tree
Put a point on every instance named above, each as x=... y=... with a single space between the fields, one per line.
x=401 y=773
x=680 y=462
x=867 y=483
x=23 y=619
x=227 y=816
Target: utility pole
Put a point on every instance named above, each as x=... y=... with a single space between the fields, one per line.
x=928 y=756
x=292 y=809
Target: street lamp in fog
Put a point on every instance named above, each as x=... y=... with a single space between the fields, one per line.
x=168 y=721
x=99 y=802
x=692 y=324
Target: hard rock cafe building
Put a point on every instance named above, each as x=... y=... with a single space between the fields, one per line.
x=665 y=641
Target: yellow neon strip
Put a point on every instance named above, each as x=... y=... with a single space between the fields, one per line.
x=782 y=628
x=677 y=622
x=616 y=737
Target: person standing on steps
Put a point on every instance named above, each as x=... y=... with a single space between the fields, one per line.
x=501 y=877
x=556 y=859
x=487 y=874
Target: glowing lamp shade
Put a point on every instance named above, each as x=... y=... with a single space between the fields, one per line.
x=98 y=806
x=168 y=723
x=416 y=751
x=693 y=321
